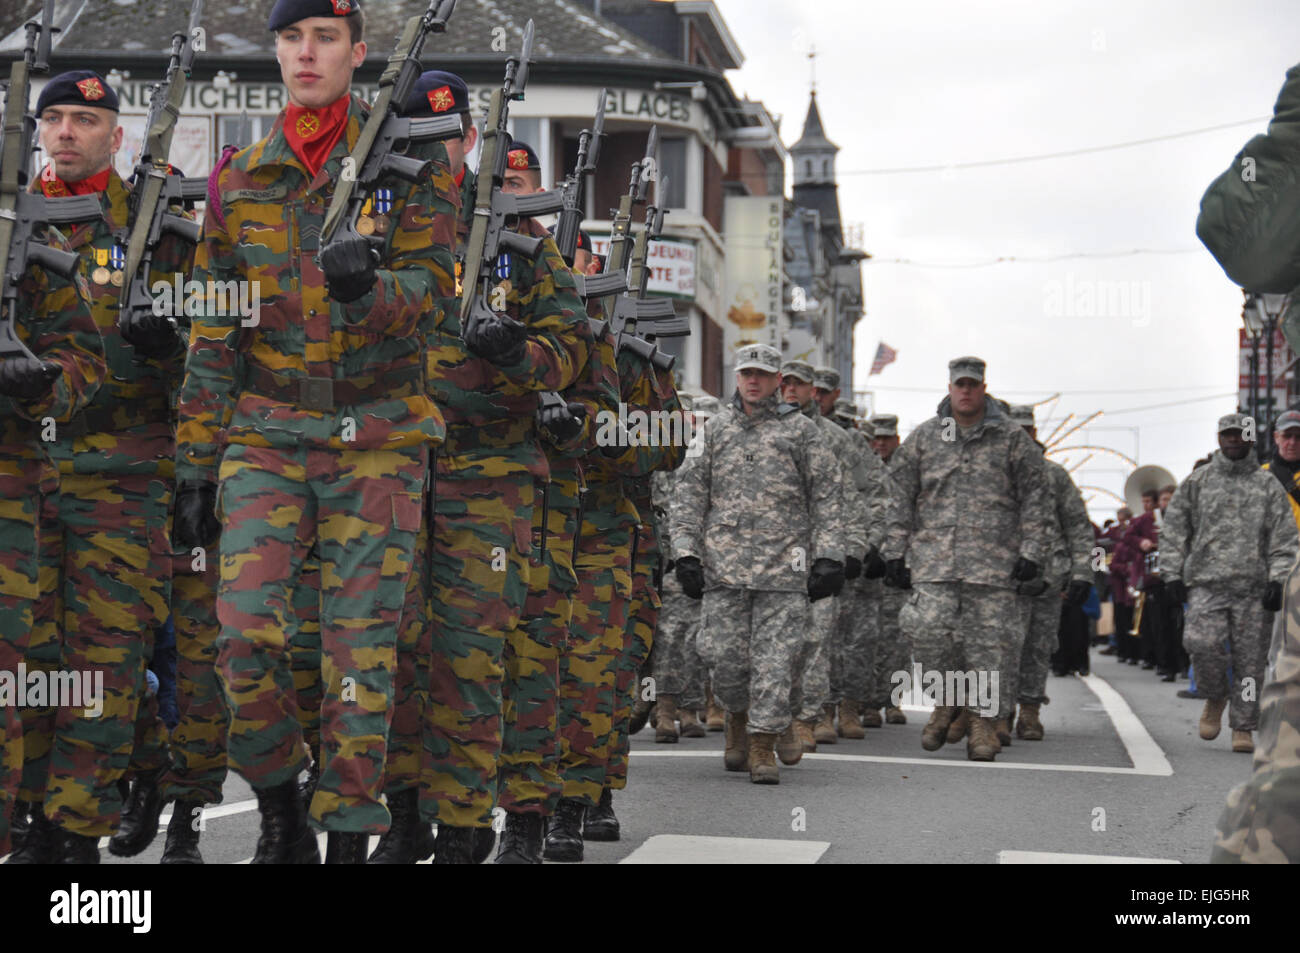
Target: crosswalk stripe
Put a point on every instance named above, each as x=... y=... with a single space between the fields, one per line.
x=684 y=849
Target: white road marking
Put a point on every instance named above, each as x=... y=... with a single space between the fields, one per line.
x=683 y=849
x=941 y=762
x=1146 y=755
x=1047 y=857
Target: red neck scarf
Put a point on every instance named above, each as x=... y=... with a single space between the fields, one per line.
x=54 y=187
x=313 y=133
x=460 y=177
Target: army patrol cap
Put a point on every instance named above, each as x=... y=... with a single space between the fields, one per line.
x=865 y=427
x=286 y=12
x=965 y=367
x=1235 y=422
x=827 y=378
x=763 y=356
x=884 y=425
x=705 y=405
x=844 y=408
x=1023 y=415
x=1288 y=420
x=81 y=87
x=801 y=370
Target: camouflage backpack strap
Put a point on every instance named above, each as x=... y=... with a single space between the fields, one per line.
x=214 y=196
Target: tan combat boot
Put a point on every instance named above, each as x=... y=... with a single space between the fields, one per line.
x=895 y=716
x=736 y=757
x=850 y=724
x=666 y=720
x=936 y=729
x=824 y=730
x=1241 y=741
x=1002 y=728
x=983 y=743
x=714 y=717
x=1028 y=726
x=762 y=760
x=960 y=725
x=871 y=718
x=803 y=730
x=690 y=723
x=788 y=747
x=1212 y=717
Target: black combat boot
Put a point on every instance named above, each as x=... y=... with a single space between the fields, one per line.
x=307 y=789
x=601 y=824
x=139 y=816
x=454 y=845
x=564 y=831
x=521 y=842
x=346 y=847
x=70 y=848
x=407 y=840
x=182 y=846
x=19 y=822
x=286 y=838
x=485 y=838
x=38 y=842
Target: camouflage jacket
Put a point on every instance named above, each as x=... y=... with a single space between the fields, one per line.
x=128 y=426
x=56 y=322
x=965 y=506
x=269 y=238
x=1073 y=539
x=865 y=494
x=759 y=504
x=1228 y=522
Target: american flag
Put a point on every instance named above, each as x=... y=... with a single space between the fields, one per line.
x=884 y=355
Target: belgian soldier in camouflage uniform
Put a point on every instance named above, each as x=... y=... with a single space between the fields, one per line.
x=971 y=518
x=322 y=404
x=756 y=530
x=104 y=538
x=34 y=396
x=1226 y=547
x=895 y=652
x=1068 y=575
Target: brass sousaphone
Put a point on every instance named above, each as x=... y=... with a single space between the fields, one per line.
x=1141 y=481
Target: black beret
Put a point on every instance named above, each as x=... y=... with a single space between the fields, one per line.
x=520 y=156
x=80 y=87
x=437 y=92
x=286 y=12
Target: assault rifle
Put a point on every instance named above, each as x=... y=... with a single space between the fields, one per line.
x=23 y=215
x=573 y=190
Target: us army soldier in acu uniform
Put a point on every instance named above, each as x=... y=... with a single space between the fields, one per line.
x=756 y=536
x=971 y=518
x=327 y=425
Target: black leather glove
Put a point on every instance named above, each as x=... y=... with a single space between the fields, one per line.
x=153 y=335
x=1273 y=596
x=897 y=575
x=873 y=566
x=497 y=337
x=826 y=578
x=1026 y=570
x=1076 y=594
x=1035 y=587
x=1176 y=590
x=349 y=265
x=852 y=567
x=194 y=521
x=690 y=576
x=27 y=379
x=563 y=421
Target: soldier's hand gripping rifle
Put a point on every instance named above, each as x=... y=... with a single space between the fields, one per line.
x=347 y=257
x=492 y=334
x=155 y=188
x=23 y=215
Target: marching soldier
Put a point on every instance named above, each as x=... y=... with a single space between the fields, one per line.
x=321 y=405
x=1226 y=548
x=895 y=652
x=756 y=536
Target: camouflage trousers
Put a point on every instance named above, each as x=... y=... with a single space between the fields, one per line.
x=810 y=677
x=1227 y=626
x=304 y=651
x=962 y=627
x=481 y=540
x=529 y=781
x=638 y=643
x=856 y=651
x=588 y=668
x=19 y=509
x=362 y=510
x=198 y=742
x=1027 y=675
x=406 y=749
x=750 y=640
x=894 y=651
x=105 y=579
x=678 y=669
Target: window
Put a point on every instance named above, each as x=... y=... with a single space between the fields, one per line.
x=229 y=133
x=672 y=163
x=826 y=168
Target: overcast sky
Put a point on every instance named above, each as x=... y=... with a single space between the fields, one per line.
x=951 y=81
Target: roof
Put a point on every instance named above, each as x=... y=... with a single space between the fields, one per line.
x=563 y=27
x=814 y=137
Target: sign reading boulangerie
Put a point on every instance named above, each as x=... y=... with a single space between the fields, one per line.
x=755 y=272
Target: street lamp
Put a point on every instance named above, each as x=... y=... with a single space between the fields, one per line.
x=1250 y=317
x=1269 y=308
